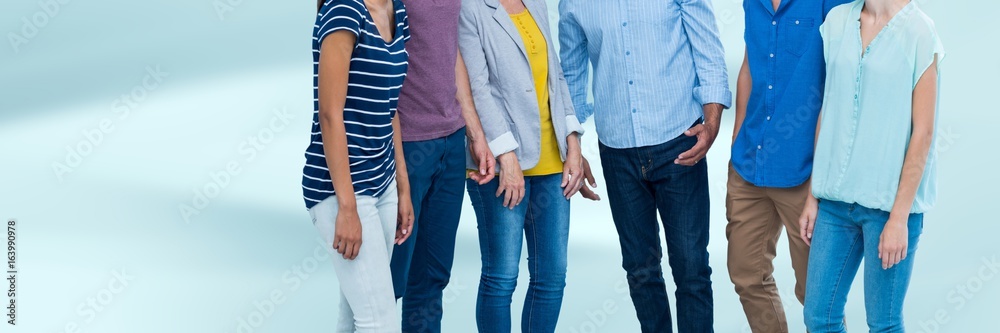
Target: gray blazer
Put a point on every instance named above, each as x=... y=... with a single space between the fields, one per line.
x=502 y=84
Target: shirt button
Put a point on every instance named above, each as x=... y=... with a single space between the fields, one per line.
x=768 y=118
x=629 y=81
x=772 y=55
x=624 y=24
x=774 y=22
x=769 y=87
x=796 y=21
x=759 y=147
x=628 y=52
x=633 y=111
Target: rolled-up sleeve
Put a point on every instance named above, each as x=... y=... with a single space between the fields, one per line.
x=490 y=111
x=575 y=61
x=709 y=56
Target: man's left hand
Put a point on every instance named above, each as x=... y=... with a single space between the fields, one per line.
x=706 y=133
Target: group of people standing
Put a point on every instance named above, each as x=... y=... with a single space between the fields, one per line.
x=833 y=142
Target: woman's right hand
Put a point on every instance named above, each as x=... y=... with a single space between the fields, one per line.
x=347 y=238
x=511 y=180
x=808 y=219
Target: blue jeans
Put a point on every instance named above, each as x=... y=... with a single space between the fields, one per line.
x=641 y=181
x=843 y=235
x=421 y=266
x=542 y=219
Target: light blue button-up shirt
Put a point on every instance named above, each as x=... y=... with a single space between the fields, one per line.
x=655 y=64
x=866 y=123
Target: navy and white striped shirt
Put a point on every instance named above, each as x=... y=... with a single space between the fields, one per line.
x=376 y=74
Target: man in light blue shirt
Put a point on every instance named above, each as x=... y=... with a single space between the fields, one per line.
x=660 y=85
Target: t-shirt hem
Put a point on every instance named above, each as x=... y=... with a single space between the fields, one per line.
x=425 y=135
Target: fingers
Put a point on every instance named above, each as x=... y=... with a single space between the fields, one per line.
x=491 y=165
x=338 y=245
x=589 y=174
x=697 y=129
x=486 y=179
x=355 y=250
x=802 y=229
x=573 y=187
x=695 y=154
x=589 y=194
x=508 y=198
x=567 y=175
x=806 y=224
x=520 y=196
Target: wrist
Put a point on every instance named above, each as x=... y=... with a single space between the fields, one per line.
x=474 y=136
x=347 y=204
x=506 y=159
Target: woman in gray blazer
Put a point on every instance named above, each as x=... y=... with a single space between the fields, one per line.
x=524 y=105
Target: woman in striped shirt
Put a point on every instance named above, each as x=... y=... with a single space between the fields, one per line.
x=354 y=181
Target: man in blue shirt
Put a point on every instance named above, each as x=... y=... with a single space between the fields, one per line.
x=778 y=99
x=660 y=85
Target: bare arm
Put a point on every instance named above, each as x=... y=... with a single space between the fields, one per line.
x=744 y=85
x=404 y=217
x=893 y=244
x=334 y=65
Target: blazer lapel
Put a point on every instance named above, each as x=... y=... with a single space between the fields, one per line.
x=501 y=16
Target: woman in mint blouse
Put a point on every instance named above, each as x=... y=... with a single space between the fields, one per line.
x=874 y=173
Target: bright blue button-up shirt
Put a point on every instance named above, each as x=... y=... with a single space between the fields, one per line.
x=655 y=64
x=774 y=147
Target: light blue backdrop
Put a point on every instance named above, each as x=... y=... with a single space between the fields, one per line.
x=116 y=114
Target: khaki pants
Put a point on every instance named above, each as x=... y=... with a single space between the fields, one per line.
x=756 y=216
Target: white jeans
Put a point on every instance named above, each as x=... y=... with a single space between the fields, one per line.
x=367 y=301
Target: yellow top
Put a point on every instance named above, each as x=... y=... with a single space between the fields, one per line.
x=549 y=161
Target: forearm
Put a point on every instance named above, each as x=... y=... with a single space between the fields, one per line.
x=402 y=177
x=332 y=86
x=921 y=137
x=713 y=114
x=473 y=127
x=335 y=150
x=573 y=144
x=744 y=86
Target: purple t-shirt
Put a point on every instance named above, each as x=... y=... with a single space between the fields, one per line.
x=427 y=105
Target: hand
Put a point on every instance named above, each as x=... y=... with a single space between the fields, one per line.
x=808 y=219
x=404 y=218
x=483 y=157
x=893 y=243
x=347 y=238
x=706 y=134
x=511 y=180
x=586 y=190
x=573 y=176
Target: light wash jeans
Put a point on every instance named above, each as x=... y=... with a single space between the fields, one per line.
x=843 y=235
x=367 y=303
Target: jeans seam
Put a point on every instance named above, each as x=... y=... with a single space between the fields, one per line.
x=534 y=240
x=829 y=315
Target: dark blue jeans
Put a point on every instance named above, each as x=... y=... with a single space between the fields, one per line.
x=640 y=182
x=421 y=267
x=541 y=221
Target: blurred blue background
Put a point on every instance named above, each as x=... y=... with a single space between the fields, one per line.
x=151 y=154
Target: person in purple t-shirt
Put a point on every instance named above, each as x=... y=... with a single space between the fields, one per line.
x=437 y=118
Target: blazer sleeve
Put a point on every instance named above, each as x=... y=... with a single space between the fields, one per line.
x=490 y=110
